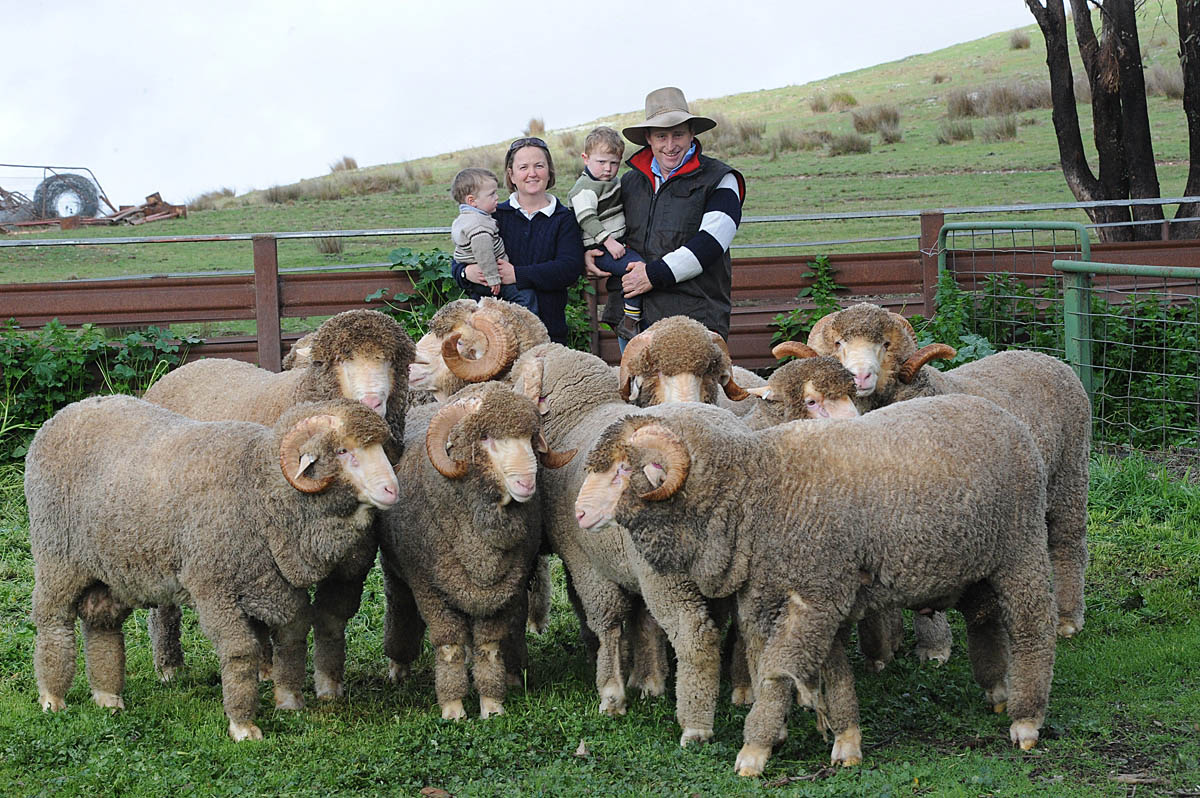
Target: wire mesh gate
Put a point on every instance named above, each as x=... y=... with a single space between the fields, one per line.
x=1131 y=332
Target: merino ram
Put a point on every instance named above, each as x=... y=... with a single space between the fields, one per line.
x=361 y=355
x=760 y=515
x=131 y=505
x=458 y=550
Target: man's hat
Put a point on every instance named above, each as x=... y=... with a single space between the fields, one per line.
x=666 y=107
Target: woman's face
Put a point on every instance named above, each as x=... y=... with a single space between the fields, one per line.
x=669 y=145
x=530 y=171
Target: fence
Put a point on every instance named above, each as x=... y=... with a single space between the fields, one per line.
x=1131 y=332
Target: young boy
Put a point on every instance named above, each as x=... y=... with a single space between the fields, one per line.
x=596 y=200
x=476 y=237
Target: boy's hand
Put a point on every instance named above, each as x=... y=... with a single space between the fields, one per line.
x=495 y=290
x=614 y=247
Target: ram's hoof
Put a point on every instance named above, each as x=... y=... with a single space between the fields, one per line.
x=751 y=760
x=490 y=706
x=166 y=673
x=998 y=698
x=453 y=710
x=51 y=703
x=326 y=687
x=651 y=686
x=691 y=735
x=742 y=696
x=289 y=700
x=936 y=656
x=612 y=701
x=264 y=673
x=1069 y=627
x=108 y=700
x=1023 y=733
x=244 y=731
x=397 y=672
x=847 y=748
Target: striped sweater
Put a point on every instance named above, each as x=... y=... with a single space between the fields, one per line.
x=477 y=240
x=597 y=206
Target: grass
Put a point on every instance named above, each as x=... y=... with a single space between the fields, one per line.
x=1125 y=703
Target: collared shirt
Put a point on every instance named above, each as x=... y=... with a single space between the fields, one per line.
x=654 y=167
x=548 y=210
x=462 y=206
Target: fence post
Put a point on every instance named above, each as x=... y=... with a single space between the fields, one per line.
x=266 y=301
x=931 y=227
x=1077 y=326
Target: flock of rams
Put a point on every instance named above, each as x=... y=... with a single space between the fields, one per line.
x=774 y=509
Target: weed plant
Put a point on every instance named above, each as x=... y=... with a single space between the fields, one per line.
x=822 y=299
x=848 y=143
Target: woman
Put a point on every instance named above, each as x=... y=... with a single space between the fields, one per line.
x=541 y=236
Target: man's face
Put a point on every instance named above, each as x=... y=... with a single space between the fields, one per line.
x=669 y=145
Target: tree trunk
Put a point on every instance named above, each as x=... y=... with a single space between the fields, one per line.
x=1135 y=120
x=1188 y=13
x=1100 y=63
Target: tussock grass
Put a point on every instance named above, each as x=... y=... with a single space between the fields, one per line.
x=569 y=142
x=842 y=101
x=791 y=139
x=938 y=77
x=490 y=158
x=955 y=130
x=1018 y=40
x=345 y=164
x=210 y=200
x=535 y=127
x=1000 y=128
x=890 y=133
x=1165 y=81
x=870 y=119
x=330 y=245
x=818 y=103
x=1007 y=97
x=847 y=144
x=963 y=104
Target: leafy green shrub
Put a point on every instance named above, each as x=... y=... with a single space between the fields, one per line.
x=822 y=293
x=45 y=370
x=432 y=286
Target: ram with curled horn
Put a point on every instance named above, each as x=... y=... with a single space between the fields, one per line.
x=678 y=360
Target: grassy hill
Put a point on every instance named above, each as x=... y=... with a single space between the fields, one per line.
x=784 y=140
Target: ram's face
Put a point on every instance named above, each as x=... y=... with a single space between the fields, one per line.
x=596 y=505
x=369 y=471
x=428 y=370
x=367 y=377
x=660 y=388
x=513 y=462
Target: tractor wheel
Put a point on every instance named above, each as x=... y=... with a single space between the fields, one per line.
x=66 y=195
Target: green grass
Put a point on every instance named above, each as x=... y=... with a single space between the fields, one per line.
x=913 y=173
x=1125 y=703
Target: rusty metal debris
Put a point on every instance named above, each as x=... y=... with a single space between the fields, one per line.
x=72 y=199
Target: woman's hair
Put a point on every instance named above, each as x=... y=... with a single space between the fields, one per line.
x=521 y=143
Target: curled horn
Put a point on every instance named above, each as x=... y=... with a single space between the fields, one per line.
x=818 y=330
x=674 y=453
x=632 y=350
x=903 y=322
x=793 y=349
x=909 y=370
x=733 y=391
x=438 y=433
x=550 y=458
x=529 y=378
x=290 y=461
x=501 y=351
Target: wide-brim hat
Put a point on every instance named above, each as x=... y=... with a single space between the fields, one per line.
x=666 y=107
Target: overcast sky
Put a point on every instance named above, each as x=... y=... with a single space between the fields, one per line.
x=182 y=99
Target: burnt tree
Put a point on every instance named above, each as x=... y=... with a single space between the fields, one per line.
x=1120 y=120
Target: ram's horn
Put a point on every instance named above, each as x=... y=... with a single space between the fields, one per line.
x=290 y=461
x=908 y=371
x=436 y=436
x=632 y=349
x=733 y=391
x=501 y=351
x=675 y=457
x=549 y=457
x=793 y=349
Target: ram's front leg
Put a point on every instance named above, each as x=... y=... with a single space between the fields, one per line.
x=289 y=653
x=334 y=604
x=403 y=626
x=449 y=634
x=238 y=651
x=651 y=661
x=488 y=669
x=683 y=613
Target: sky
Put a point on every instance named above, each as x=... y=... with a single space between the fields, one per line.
x=183 y=99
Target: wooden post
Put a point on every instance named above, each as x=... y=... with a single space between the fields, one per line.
x=931 y=227
x=266 y=301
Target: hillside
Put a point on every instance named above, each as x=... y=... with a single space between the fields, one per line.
x=779 y=138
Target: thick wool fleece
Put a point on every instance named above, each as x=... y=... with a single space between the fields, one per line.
x=679 y=345
x=579 y=396
x=810 y=536
x=109 y=527
x=454 y=558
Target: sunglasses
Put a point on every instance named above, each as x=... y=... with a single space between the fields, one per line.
x=528 y=141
